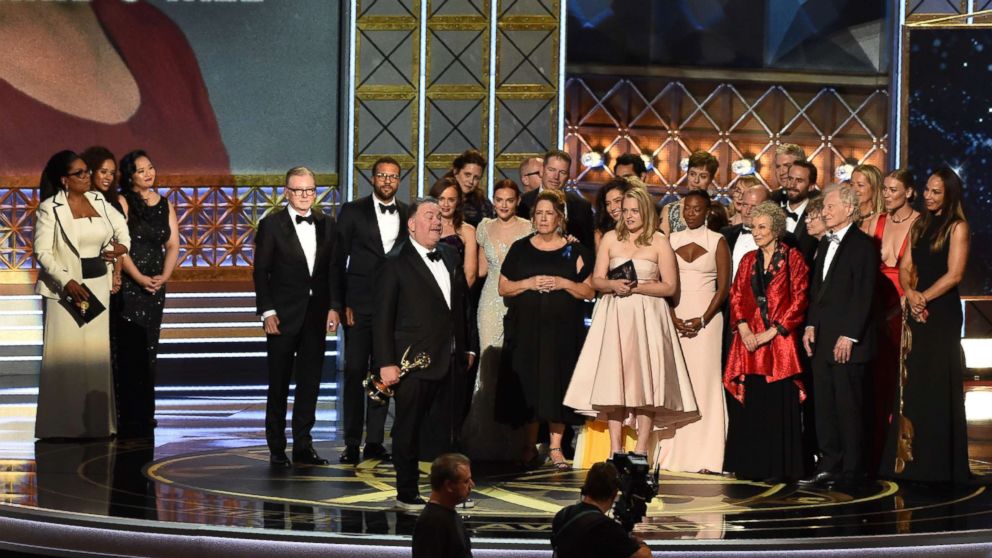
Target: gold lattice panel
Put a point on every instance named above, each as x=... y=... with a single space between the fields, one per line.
x=667 y=119
x=465 y=105
x=216 y=225
x=527 y=77
x=386 y=86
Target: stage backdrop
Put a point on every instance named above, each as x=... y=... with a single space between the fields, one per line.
x=208 y=88
x=950 y=119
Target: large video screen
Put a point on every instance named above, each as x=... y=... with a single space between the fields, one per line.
x=207 y=88
x=950 y=123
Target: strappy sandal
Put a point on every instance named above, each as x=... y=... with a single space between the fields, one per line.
x=559 y=465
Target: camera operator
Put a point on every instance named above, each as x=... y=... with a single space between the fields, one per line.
x=584 y=529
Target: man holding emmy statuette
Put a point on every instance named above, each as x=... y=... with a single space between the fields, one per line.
x=421 y=310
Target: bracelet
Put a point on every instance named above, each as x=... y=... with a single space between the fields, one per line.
x=702 y=322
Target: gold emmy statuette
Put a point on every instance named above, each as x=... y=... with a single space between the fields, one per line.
x=380 y=392
x=83 y=307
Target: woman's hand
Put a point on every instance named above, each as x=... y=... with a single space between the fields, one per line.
x=620 y=287
x=146 y=282
x=115 y=285
x=116 y=250
x=76 y=291
x=917 y=302
x=766 y=336
x=748 y=338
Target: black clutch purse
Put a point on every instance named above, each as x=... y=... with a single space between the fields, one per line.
x=625 y=272
x=82 y=312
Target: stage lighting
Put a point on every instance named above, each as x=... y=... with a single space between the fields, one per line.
x=592 y=159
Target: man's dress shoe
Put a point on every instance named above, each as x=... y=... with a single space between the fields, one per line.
x=376 y=451
x=308 y=457
x=350 y=456
x=279 y=460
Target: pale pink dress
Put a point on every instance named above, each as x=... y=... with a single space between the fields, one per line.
x=632 y=359
x=699 y=446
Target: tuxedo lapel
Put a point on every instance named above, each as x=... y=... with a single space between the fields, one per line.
x=374 y=225
x=292 y=240
x=422 y=270
x=320 y=225
x=833 y=264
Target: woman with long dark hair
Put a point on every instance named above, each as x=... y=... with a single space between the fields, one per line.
x=928 y=438
x=154 y=254
x=467 y=171
x=608 y=207
x=73 y=243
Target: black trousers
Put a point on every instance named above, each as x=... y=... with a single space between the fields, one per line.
x=414 y=398
x=300 y=354
x=839 y=390
x=357 y=410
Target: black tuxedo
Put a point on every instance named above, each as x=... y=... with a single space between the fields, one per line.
x=805 y=243
x=358 y=254
x=841 y=304
x=283 y=283
x=411 y=312
x=580 y=220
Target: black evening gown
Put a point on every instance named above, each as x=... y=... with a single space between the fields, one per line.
x=544 y=334
x=764 y=436
x=933 y=395
x=138 y=321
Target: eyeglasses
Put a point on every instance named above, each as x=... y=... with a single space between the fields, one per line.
x=304 y=192
x=387 y=177
x=810 y=217
x=81 y=173
x=535 y=173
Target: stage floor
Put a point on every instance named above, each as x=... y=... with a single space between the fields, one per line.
x=208 y=466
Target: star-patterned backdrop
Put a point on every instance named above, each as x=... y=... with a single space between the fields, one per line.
x=950 y=123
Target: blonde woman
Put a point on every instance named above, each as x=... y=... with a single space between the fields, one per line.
x=867 y=182
x=631 y=369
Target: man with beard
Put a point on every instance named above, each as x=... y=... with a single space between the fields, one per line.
x=369 y=229
x=785 y=156
x=799 y=189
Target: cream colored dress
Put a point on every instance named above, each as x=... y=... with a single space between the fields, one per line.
x=699 y=446
x=632 y=360
x=76 y=387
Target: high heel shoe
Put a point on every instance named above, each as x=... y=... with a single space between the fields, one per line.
x=561 y=465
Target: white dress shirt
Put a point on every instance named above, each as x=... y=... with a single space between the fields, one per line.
x=438 y=270
x=790 y=223
x=307 y=233
x=828 y=258
x=745 y=243
x=389 y=223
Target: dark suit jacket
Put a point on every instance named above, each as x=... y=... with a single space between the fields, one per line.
x=580 y=220
x=411 y=312
x=282 y=281
x=805 y=243
x=842 y=303
x=358 y=252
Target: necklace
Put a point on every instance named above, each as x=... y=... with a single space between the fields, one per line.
x=904 y=219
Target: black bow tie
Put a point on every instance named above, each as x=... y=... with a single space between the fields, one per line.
x=745 y=230
x=383 y=208
x=302 y=219
x=434 y=256
x=791 y=215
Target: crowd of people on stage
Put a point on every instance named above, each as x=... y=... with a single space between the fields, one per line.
x=763 y=339
x=106 y=244
x=804 y=331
